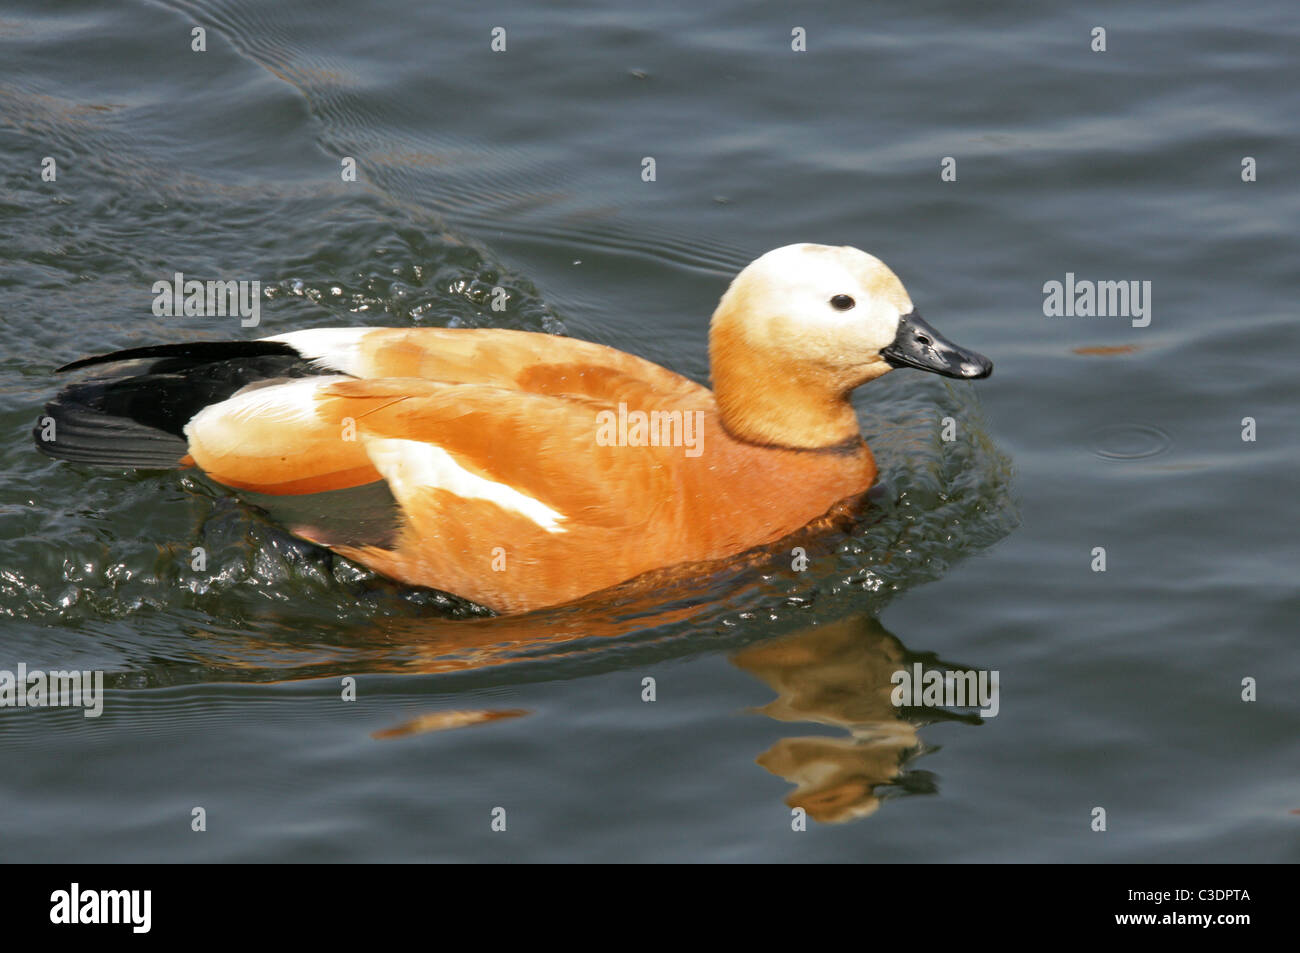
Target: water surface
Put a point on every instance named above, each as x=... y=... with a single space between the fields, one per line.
x=522 y=169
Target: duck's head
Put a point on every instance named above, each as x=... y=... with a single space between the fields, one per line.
x=804 y=325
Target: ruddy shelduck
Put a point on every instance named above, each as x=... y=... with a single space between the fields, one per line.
x=518 y=469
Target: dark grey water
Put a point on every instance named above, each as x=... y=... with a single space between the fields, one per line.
x=1120 y=690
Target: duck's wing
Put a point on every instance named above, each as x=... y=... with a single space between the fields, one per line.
x=437 y=444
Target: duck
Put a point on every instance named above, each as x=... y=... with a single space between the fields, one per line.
x=522 y=470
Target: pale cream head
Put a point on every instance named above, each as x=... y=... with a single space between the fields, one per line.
x=796 y=331
x=801 y=327
x=833 y=308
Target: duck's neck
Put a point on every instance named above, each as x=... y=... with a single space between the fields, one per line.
x=784 y=408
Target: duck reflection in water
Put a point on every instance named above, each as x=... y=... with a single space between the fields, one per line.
x=839 y=674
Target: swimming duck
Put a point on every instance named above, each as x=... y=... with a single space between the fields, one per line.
x=518 y=469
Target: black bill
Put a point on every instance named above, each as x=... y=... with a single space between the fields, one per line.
x=921 y=346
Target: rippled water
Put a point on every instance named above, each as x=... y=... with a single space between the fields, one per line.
x=522 y=169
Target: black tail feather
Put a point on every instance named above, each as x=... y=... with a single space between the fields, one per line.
x=136 y=417
x=193 y=353
x=80 y=435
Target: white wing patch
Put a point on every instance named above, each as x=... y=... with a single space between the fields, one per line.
x=333 y=349
x=411 y=464
x=292 y=402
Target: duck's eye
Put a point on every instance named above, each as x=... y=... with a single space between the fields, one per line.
x=842 y=302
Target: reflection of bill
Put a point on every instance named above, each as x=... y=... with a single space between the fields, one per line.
x=840 y=675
